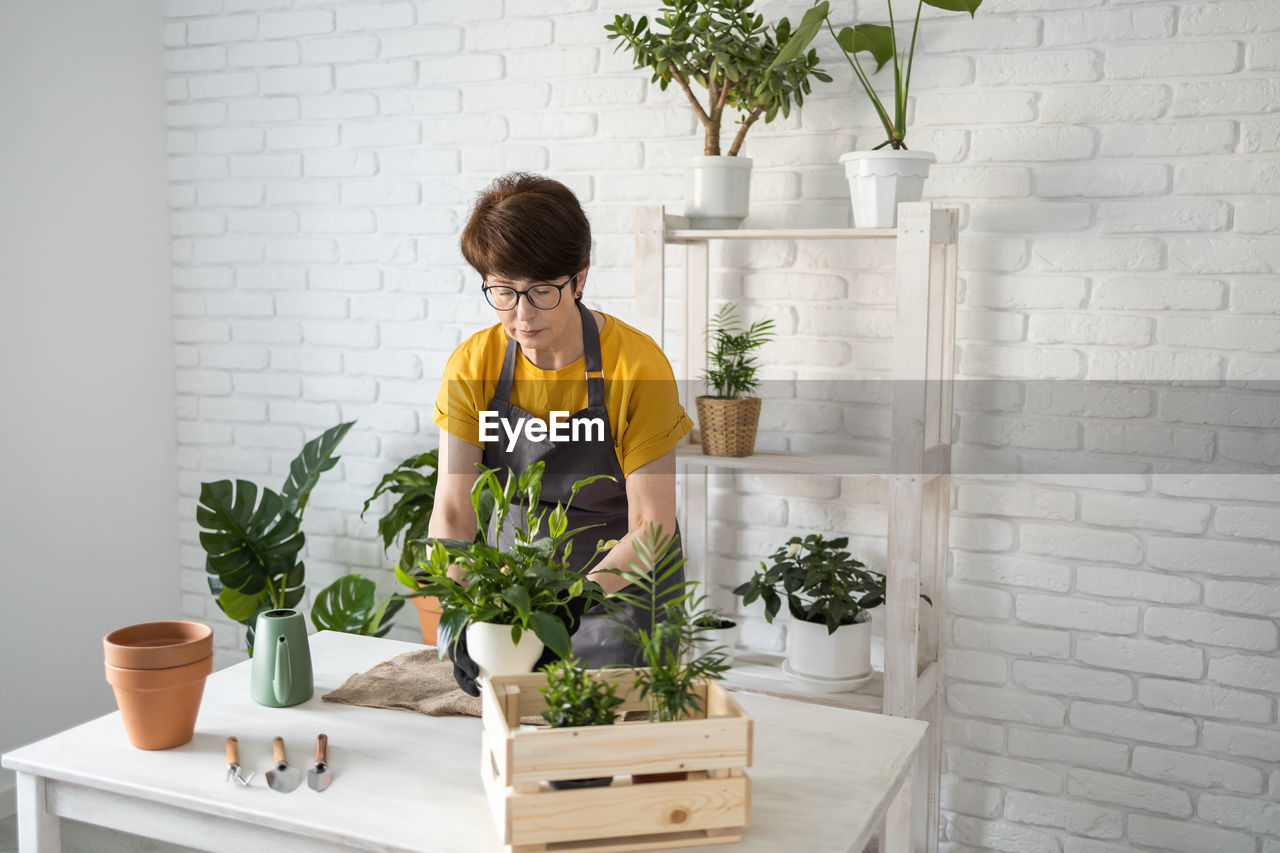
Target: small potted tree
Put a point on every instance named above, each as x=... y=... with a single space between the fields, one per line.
x=727 y=420
x=577 y=696
x=879 y=178
x=726 y=49
x=510 y=602
x=829 y=595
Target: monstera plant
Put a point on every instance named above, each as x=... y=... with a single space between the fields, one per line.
x=252 y=537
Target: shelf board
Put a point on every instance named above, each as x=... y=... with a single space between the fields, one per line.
x=758 y=672
x=692 y=235
x=786 y=462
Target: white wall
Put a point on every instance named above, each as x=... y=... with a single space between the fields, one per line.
x=1112 y=640
x=87 y=501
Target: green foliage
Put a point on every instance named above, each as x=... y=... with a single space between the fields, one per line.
x=722 y=46
x=881 y=43
x=733 y=367
x=667 y=642
x=822 y=583
x=349 y=604
x=577 y=697
x=524 y=586
x=252 y=544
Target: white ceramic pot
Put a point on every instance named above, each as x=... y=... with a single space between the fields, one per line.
x=491 y=648
x=726 y=637
x=842 y=656
x=880 y=180
x=718 y=192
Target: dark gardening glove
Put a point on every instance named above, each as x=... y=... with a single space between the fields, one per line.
x=465 y=670
x=571 y=614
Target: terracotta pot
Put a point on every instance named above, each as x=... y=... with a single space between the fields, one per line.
x=428 y=616
x=158 y=645
x=159 y=706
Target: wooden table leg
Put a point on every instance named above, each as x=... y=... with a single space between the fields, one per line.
x=900 y=820
x=38 y=830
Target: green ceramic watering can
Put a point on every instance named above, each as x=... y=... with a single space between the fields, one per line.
x=281 y=674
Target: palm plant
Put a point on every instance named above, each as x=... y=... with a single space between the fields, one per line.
x=675 y=625
x=733 y=368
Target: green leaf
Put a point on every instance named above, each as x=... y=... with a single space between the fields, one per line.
x=345 y=605
x=305 y=470
x=240 y=607
x=875 y=39
x=518 y=597
x=551 y=632
x=452 y=624
x=969 y=6
x=250 y=544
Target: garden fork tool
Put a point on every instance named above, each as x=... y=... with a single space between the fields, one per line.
x=320 y=776
x=233 y=763
x=282 y=777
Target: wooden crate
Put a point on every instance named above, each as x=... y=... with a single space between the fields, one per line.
x=710 y=806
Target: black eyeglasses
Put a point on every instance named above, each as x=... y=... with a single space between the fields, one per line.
x=544 y=297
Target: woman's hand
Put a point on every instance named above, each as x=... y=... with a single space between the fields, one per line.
x=651 y=499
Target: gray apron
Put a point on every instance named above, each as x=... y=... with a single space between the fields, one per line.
x=598 y=640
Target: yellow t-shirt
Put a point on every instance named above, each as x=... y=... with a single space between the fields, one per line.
x=645 y=415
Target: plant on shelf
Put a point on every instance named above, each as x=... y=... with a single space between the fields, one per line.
x=413 y=483
x=252 y=537
x=673 y=667
x=829 y=595
x=869 y=170
x=512 y=602
x=727 y=419
x=721 y=633
x=724 y=47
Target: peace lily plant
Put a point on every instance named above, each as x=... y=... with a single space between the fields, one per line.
x=521 y=593
x=878 y=179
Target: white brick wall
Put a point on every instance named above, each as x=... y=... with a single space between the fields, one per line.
x=1113 y=633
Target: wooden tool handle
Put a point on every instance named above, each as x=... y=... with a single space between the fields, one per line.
x=233 y=751
x=277 y=750
x=322 y=749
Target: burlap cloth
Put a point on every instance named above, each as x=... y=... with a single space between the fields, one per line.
x=414 y=681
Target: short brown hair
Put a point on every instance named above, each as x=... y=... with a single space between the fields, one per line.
x=527 y=227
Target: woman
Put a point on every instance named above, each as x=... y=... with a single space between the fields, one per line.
x=548 y=356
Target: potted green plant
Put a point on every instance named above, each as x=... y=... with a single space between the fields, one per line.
x=721 y=633
x=509 y=601
x=727 y=419
x=725 y=48
x=577 y=696
x=679 y=616
x=252 y=537
x=829 y=595
x=879 y=178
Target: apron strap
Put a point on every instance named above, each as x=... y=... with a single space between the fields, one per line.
x=591 y=355
x=502 y=394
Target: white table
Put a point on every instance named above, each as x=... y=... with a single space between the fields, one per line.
x=822 y=778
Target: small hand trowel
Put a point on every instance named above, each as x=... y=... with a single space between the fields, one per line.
x=282 y=777
x=233 y=762
x=320 y=776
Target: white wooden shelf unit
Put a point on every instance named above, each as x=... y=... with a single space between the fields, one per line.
x=917 y=465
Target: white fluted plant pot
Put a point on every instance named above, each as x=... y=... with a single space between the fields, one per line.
x=725 y=639
x=718 y=191
x=880 y=180
x=829 y=663
x=490 y=646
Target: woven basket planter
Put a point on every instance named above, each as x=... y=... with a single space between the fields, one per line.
x=728 y=426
